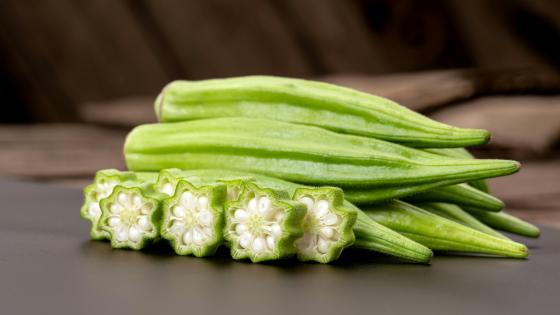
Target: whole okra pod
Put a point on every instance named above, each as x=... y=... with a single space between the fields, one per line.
x=311 y=103
x=439 y=233
x=298 y=153
x=102 y=186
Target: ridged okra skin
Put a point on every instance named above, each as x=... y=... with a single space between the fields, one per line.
x=368 y=233
x=263 y=224
x=439 y=233
x=462 y=153
x=168 y=179
x=131 y=215
x=311 y=103
x=297 y=153
x=462 y=195
x=102 y=186
x=193 y=218
x=506 y=222
x=455 y=213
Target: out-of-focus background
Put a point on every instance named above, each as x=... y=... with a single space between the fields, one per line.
x=75 y=76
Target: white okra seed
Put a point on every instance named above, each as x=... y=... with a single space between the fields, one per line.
x=122 y=234
x=276 y=230
x=114 y=221
x=203 y=202
x=143 y=222
x=326 y=232
x=167 y=189
x=94 y=210
x=134 y=234
x=241 y=228
x=177 y=226
x=322 y=245
x=270 y=242
x=330 y=219
x=197 y=236
x=179 y=211
x=123 y=199
x=187 y=200
x=187 y=237
x=253 y=205
x=241 y=215
x=205 y=218
x=321 y=209
x=115 y=208
x=246 y=239
x=258 y=244
x=264 y=205
x=137 y=201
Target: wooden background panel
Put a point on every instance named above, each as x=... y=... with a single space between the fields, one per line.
x=223 y=38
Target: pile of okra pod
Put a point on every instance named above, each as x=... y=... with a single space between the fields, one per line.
x=276 y=168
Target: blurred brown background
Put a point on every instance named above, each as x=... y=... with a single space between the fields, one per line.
x=76 y=75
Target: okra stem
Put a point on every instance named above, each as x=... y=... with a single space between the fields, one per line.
x=311 y=103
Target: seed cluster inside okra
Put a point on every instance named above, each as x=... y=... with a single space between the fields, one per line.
x=284 y=168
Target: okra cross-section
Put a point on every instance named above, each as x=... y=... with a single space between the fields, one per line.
x=263 y=224
x=102 y=187
x=193 y=218
x=131 y=216
x=327 y=225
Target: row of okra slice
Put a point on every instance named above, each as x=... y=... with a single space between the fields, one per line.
x=276 y=167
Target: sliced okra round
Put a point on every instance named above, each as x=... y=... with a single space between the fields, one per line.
x=131 y=216
x=327 y=226
x=263 y=224
x=167 y=181
x=102 y=186
x=192 y=219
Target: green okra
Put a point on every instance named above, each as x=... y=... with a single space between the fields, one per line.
x=193 y=218
x=330 y=224
x=263 y=224
x=297 y=153
x=506 y=222
x=311 y=103
x=439 y=233
x=131 y=215
x=462 y=195
x=462 y=153
x=455 y=213
x=102 y=186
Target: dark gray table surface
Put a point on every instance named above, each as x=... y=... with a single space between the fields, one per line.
x=48 y=266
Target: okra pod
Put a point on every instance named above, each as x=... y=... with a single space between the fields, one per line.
x=102 y=186
x=311 y=103
x=506 y=222
x=439 y=233
x=193 y=218
x=455 y=213
x=296 y=153
x=131 y=215
x=263 y=224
